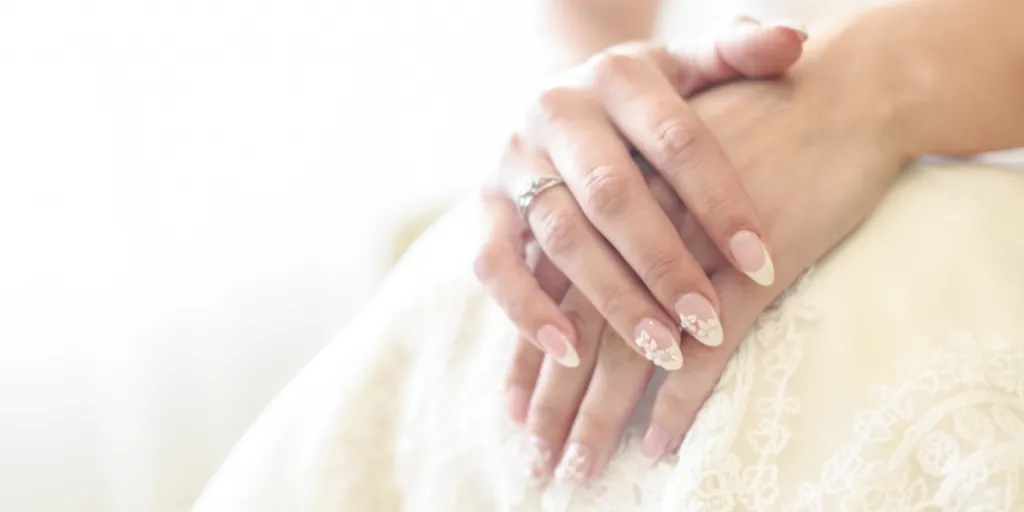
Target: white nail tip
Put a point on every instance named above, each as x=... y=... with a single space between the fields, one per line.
x=765 y=275
x=799 y=27
x=571 y=359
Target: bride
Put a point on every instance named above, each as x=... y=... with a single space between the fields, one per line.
x=852 y=327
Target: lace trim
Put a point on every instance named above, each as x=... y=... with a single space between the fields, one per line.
x=950 y=437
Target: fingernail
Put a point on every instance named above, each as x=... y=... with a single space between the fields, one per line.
x=518 y=401
x=747 y=20
x=698 y=317
x=659 y=344
x=655 y=442
x=557 y=346
x=575 y=465
x=752 y=257
x=799 y=28
x=538 y=457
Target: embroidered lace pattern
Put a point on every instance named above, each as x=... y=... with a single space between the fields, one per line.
x=950 y=437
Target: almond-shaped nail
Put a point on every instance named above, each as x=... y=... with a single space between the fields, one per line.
x=655 y=442
x=659 y=344
x=799 y=28
x=698 y=317
x=556 y=344
x=575 y=465
x=752 y=257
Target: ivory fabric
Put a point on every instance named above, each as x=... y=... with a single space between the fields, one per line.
x=891 y=377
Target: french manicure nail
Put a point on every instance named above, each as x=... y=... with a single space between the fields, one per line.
x=556 y=344
x=659 y=344
x=698 y=317
x=752 y=257
x=655 y=442
x=575 y=465
x=799 y=28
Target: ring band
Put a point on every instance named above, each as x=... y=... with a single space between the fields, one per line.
x=531 y=188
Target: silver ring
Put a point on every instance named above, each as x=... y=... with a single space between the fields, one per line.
x=529 y=189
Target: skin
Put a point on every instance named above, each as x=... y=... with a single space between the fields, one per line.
x=854 y=106
x=603 y=229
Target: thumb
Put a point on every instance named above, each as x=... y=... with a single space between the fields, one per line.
x=746 y=50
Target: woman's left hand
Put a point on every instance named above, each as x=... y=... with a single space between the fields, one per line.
x=816 y=156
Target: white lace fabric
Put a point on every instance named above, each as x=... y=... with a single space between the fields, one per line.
x=891 y=378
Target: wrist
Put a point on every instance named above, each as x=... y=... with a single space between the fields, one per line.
x=863 y=89
x=938 y=76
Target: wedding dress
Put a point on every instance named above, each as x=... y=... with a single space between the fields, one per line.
x=889 y=378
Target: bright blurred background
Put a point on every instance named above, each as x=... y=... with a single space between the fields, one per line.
x=195 y=195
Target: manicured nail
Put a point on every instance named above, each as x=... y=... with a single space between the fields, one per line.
x=752 y=257
x=747 y=20
x=518 y=401
x=698 y=317
x=655 y=443
x=659 y=344
x=557 y=346
x=538 y=457
x=799 y=28
x=575 y=465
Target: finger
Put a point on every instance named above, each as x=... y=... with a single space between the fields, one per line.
x=521 y=378
x=585 y=257
x=618 y=382
x=702 y=249
x=669 y=134
x=745 y=50
x=682 y=394
x=559 y=389
x=502 y=270
x=609 y=188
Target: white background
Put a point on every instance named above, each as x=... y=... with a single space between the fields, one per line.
x=194 y=196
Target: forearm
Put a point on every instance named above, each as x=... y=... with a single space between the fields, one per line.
x=580 y=28
x=949 y=72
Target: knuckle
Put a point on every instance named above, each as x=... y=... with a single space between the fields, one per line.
x=607 y=191
x=722 y=208
x=553 y=105
x=487 y=262
x=672 y=398
x=615 y=302
x=663 y=268
x=545 y=414
x=676 y=142
x=518 y=308
x=560 y=233
x=595 y=424
x=609 y=67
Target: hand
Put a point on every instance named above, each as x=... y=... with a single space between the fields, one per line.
x=816 y=162
x=605 y=228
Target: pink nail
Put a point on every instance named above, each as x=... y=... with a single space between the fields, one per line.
x=655 y=443
x=659 y=344
x=752 y=257
x=698 y=317
x=575 y=465
x=557 y=345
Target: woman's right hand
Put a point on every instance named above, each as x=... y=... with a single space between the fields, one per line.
x=605 y=229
